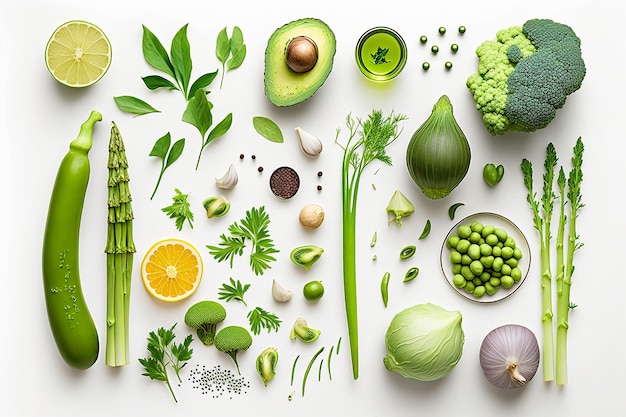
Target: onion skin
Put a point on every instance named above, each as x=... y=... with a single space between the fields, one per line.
x=438 y=154
x=509 y=356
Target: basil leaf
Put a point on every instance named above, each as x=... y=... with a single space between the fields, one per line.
x=175 y=152
x=202 y=82
x=237 y=58
x=134 y=105
x=198 y=112
x=236 y=40
x=156 y=81
x=161 y=146
x=154 y=52
x=221 y=128
x=268 y=129
x=222 y=46
x=181 y=59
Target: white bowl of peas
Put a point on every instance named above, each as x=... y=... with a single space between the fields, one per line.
x=485 y=257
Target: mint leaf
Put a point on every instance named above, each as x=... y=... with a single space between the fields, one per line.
x=181 y=59
x=154 y=52
x=268 y=129
x=130 y=104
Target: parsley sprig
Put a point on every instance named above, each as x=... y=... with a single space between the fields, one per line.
x=234 y=291
x=261 y=318
x=253 y=229
x=164 y=352
x=179 y=210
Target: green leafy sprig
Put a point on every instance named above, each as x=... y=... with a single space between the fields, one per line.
x=260 y=318
x=164 y=352
x=233 y=291
x=253 y=229
x=230 y=51
x=180 y=210
x=167 y=154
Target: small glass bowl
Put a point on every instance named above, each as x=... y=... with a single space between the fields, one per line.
x=381 y=54
x=495 y=220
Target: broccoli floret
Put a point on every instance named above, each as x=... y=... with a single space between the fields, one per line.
x=204 y=316
x=524 y=76
x=232 y=340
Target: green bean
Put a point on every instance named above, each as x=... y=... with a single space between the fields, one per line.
x=407 y=252
x=293 y=368
x=308 y=368
x=426 y=230
x=411 y=274
x=384 y=288
x=330 y=355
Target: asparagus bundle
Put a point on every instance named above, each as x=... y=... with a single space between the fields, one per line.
x=119 y=249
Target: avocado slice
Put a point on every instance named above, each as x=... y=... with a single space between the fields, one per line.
x=284 y=87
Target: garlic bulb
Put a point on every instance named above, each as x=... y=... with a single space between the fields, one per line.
x=310 y=145
x=509 y=356
x=229 y=179
x=280 y=293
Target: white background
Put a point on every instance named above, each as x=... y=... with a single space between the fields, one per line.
x=40 y=117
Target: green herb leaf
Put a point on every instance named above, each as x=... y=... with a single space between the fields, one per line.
x=237 y=59
x=154 y=82
x=179 y=210
x=220 y=129
x=154 y=53
x=168 y=156
x=181 y=59
x=130 y=104
x=198 y=112
x=161 y=146
x=202 y=82
x=268 y=129
x=234 y=291
x=175 y=151
x=222 y=46
x=237 y=49
x=260 y=318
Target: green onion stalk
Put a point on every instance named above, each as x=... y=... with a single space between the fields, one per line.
x=543 y=226
x=574 y=198
x=367 y=142
x=119 y=250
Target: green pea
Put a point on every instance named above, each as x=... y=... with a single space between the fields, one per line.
x=464 y=231
x=453 y=241
x=485 y=249
x=459 y=281
x=477 y=226
x=496 y=274
x=497 y=264
x=512 y=262
x=495 y=281
x=469 y=287
x=517 y=253
x=477 y=281
x=434 y=49
x=490 y=289
x=423 y=39
x=467 y=273
x=487 y=230
x=463 y=245
x=456 y=268
x=455 y=257
x=507 y=252
x=507 y=281
x=462 y=29
x=425 y=66
x=442 y=30
x=487 y=261
x=474 y=251
x=485 y=276
x=491 y=240
x=448 y=65
x=510 y=242
x=476 y=267
x=516 y=274
x=474 y=237
x=506 y=269
x=454 y=47
x=466 y=259
x=479 y=291
x=496 y=251
x=501 y=233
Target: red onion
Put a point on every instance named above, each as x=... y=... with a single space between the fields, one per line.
x=509 y=356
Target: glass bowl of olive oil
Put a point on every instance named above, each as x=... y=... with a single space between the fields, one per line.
x=381 y=54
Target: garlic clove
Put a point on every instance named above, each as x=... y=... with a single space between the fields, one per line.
x=280 y=293
x=310 y=145
x=229 y=179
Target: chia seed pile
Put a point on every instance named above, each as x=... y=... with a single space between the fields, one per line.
x=218 y=382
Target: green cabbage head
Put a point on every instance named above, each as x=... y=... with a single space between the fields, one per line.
x=424 y=342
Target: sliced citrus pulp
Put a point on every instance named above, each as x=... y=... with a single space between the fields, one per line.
x=172 y=270
x=78 y=53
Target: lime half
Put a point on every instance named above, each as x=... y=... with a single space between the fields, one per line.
x=78 y=54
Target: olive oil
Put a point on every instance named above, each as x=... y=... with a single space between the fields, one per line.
x=381 y=54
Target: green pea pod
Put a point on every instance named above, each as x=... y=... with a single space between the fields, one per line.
x=71 y=323
x=384 y=288
x=492 y=174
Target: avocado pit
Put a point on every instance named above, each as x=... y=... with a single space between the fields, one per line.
x=301 y=54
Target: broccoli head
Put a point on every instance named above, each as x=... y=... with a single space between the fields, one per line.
x=232 y=340
x=204 y=316
x=525 y=75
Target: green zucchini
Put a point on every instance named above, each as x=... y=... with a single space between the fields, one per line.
x=71 y=323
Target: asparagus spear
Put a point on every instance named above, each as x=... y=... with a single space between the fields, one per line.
x=119 y=249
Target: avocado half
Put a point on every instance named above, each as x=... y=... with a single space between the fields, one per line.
x=284 y=87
